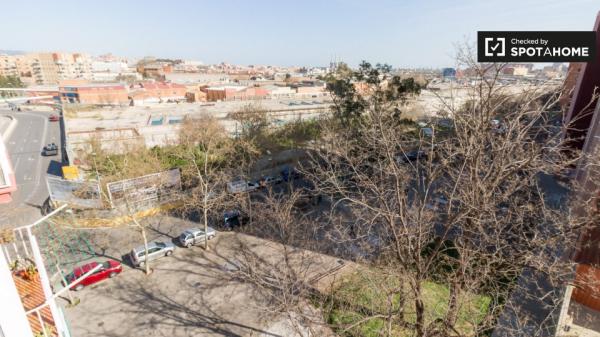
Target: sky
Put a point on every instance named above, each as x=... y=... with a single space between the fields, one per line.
x=279 y=32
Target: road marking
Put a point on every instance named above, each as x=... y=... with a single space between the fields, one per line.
x=39 y=163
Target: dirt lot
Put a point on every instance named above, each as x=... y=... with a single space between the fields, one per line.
x=190 y=293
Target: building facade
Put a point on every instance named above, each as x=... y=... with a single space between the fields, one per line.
x=582 y=117
x=101 y=94
x=46 y=68
x=151 y=92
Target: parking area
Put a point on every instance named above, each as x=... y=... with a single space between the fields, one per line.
x=191 y=293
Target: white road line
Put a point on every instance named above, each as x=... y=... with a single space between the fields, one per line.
x=39 y=163
x=17 y=163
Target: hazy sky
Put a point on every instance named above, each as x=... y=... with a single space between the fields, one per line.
x=300 y=32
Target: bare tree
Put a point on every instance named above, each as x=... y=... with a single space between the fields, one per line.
x=205 y=145
x=252 y=119
x=448 y=219
x=283 y=270
x=470 y=206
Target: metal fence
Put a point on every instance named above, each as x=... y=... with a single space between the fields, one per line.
x=149 y=190
x=79 y=193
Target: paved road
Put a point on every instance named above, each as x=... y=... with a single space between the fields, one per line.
x=32 y=132
x=192 y=293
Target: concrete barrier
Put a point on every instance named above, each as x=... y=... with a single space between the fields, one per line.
x=7 y=132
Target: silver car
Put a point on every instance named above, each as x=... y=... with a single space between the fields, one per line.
x=193 y=236
x=156 y=250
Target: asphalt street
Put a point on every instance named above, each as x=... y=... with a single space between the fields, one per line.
x=25 y=144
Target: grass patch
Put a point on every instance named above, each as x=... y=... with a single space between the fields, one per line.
x=291 y=135
x=364 y=294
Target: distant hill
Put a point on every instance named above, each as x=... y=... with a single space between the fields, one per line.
x=12 y=52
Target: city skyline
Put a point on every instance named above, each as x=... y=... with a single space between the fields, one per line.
x=284 y=34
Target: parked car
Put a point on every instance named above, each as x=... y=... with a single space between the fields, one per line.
x=192 y=236
x=427 y=132
x=50 y=150
x=53 y=118
x=233 y=219
x=239 y=186
x=437 y=203
x=269 y=180
x=156 y=250
x=108 y=269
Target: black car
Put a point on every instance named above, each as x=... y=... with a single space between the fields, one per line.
x=50 y=150
x=290 y=173
x=234 y=219
x=411 y=156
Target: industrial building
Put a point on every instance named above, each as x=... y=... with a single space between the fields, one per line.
x=102 y=94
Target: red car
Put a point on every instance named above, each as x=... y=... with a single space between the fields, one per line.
x=53 y=118
x=109 y=269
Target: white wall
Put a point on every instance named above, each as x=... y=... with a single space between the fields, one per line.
x=13 y=321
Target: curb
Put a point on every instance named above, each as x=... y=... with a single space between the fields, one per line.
x=8 y=132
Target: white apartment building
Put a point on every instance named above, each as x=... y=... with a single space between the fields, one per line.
x=110 y=70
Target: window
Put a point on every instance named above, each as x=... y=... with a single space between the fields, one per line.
x=153 y=250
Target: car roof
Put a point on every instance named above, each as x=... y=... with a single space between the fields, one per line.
x=196 y=230
x=231 y=213
x=150 y=245
x=192 y=230
x=80 y=270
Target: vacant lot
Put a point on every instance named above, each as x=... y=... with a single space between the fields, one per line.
x=190 y=293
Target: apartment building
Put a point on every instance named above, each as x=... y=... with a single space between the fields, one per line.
x=107 y=70
x=46 y=68
x=8 y=66
x=156 y=70
x=72 y=66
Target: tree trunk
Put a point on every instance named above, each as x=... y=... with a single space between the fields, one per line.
x=419 y=311
x=147 y=261
x=452 y=305
x=205 y=211
x=206 y=192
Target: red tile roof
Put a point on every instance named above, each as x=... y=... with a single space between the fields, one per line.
x=162 y=85
x=32 y=296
